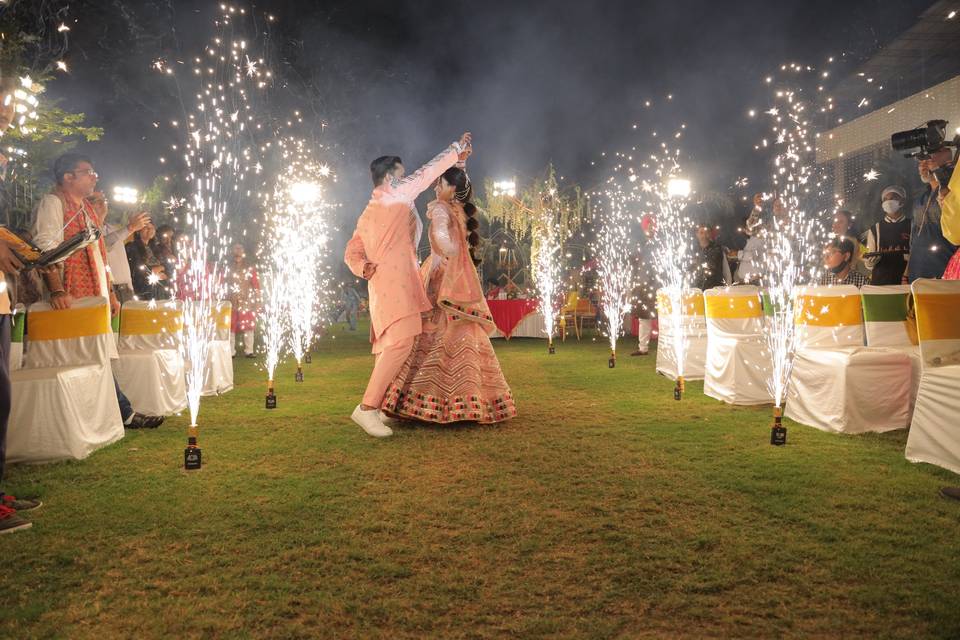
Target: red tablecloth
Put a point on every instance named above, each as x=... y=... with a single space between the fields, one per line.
x=507 y=314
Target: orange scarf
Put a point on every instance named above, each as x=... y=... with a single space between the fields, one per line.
x=80 y=277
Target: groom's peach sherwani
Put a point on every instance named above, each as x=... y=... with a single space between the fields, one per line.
x=386 y=237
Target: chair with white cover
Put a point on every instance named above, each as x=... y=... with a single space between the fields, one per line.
x=935 y=431
x=219 y=372
x=64 y=403
x=737 y=366
x=692 y=328
x=16 y=337
x=837 y=384
x=885 y=310
x=150 y=367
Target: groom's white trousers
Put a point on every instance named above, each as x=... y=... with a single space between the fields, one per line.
x=391 y=350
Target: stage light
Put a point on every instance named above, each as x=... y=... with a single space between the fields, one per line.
x=678 y=188
x=126 y=195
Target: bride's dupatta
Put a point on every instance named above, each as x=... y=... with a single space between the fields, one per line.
x=459 y=293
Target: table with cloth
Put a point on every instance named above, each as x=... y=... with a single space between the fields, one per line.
x=517 y=318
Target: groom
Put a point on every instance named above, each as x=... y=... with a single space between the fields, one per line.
x=383 y=251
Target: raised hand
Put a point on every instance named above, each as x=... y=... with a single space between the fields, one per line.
x=138 y=222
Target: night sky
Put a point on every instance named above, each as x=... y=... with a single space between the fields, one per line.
x=534 y=81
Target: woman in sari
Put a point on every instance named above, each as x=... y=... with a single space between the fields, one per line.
x=452 y=373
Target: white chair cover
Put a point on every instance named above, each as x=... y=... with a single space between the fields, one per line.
x=693 y=330
x=67 y=408
x=219 y=371
x=150 y=369
x=737 y=365
x=885 y=322
x=837 y=384
x=934 y=433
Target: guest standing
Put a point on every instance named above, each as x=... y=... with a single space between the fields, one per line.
x=888 y=241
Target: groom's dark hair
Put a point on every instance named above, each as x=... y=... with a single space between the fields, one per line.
x=383 y=165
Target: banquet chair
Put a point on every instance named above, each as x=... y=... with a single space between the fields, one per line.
x=837 y=384
x=737 y=365
x=885 y=311
x=568 y=315
x=16 y=337
x=64 y=404
x=218 y=376
x=692 y=328
x=935 y=431
x=586 y=315
x=150 y=368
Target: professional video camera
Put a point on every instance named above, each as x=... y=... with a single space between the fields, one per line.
x=924 y=141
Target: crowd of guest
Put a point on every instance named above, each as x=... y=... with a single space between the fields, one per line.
x=132 y=260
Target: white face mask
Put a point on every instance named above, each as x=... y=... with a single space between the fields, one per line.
x=891 y=206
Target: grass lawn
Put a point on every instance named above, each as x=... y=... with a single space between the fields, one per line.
x=607 y=509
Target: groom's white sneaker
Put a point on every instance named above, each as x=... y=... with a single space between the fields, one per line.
x=370 y=422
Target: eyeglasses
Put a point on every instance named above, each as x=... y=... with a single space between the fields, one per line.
x=89 y=172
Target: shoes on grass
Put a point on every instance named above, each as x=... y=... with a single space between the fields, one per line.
x=950 y=492
x=390 y=421
x=140 y=421
x=640 y=353
x=11 y=522
x=19 y=504
x=370 y=422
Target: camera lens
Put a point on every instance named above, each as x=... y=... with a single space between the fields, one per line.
x=904 y=140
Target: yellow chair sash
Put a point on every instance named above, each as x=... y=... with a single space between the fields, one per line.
x=938 y=316
x=828 y=311
x=65 y=324
x=149 y=322
x=733 y=307
x=692 y=304
x=221 y=316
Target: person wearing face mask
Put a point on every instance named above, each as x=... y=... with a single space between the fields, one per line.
x=888 y=241
x=838 y=258
x=930 y=252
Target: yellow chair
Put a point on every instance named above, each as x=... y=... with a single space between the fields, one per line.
x=568 y=314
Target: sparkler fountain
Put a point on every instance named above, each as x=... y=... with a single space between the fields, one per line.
x=652 y=183
x=218 y=157
x=672 y=250
x=612 y=248
x=546 y=253
x=793 y=237
x=275 y=317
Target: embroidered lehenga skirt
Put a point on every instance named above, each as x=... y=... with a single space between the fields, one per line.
x=452 y=373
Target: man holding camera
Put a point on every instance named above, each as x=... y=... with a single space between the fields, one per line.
x=929 y=250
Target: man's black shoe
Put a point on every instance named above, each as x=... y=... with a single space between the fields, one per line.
x=140 y=421
x=950 y=492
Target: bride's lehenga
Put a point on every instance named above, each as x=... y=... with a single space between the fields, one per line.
x=452 y=373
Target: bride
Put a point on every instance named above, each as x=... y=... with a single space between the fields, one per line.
x=452 y=373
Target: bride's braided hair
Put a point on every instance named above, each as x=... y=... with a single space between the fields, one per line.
x=463 y=193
